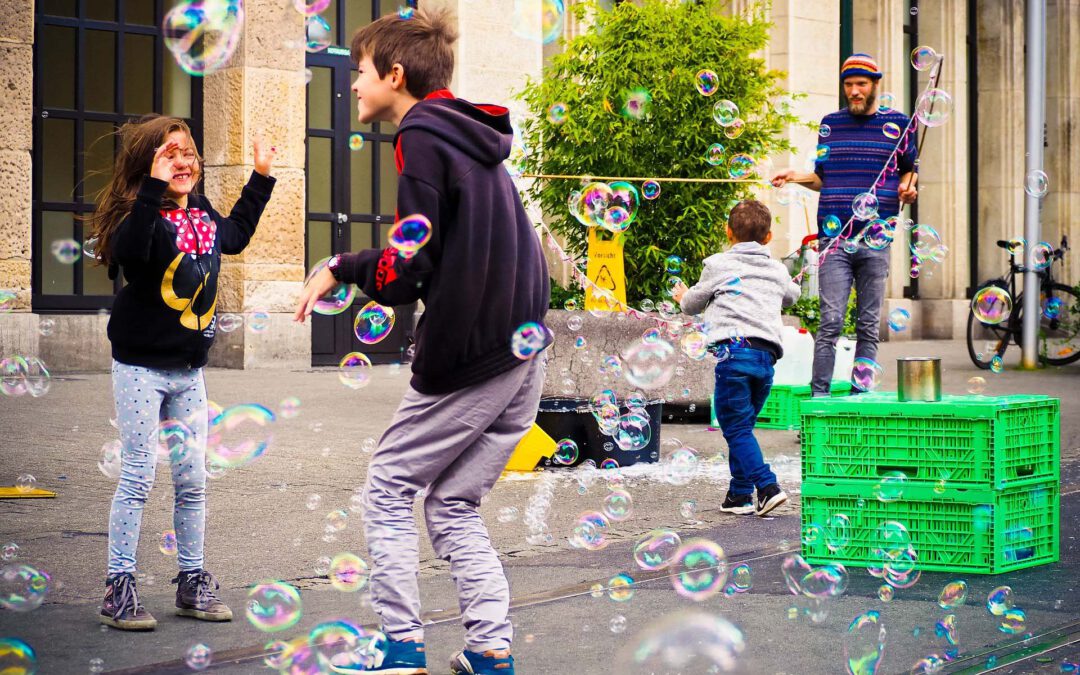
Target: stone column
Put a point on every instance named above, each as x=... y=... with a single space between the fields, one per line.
x=943 y=179
x=261 y=92
x=1061 y=206
x=18 y=333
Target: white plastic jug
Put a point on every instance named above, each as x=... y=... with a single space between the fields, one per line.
x=845 y=359
x=797 y=365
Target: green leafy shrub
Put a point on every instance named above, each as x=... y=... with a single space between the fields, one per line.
x=658 y=46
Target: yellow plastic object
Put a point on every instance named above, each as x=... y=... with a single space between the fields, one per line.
x=605 y=269
x=14 y=493
x=535 y=446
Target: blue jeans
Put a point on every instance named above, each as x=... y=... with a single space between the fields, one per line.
x=867 y=269
x=743 y=381
x=144 y=397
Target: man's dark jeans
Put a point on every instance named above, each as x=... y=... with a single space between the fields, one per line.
x=743 y=381
x=867 y=269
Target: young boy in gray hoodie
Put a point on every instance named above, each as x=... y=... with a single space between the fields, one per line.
x=741 y=293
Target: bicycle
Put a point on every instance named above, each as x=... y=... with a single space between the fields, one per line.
x=1059 y=316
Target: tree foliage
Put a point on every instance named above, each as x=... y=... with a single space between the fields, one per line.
x=658 y=46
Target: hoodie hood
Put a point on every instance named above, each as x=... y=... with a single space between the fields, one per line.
x=482 y=132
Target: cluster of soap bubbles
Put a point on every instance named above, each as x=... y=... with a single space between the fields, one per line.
x=203 y=34
x=613 y=206
x=21 y=375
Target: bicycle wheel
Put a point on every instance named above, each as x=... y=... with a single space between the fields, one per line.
x=1059 y=324
x=985 y=340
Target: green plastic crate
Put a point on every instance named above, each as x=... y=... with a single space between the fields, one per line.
x=781 y=409
x=960 y=442
x=952 y=530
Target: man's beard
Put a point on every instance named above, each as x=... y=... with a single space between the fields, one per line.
x=865 y=106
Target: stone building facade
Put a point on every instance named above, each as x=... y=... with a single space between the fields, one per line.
x=972 y=168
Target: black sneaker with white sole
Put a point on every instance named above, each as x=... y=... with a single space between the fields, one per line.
x=741 y=505
x=768 y=498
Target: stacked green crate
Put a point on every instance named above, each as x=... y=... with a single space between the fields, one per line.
x=973 y=479
x=781 y=409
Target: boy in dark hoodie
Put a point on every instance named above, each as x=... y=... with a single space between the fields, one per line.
x=481 y=275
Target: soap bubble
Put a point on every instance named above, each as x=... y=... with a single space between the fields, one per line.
x=991 y=305
x=410 y=234
x=890 y=486
x=886 y=102
x=167 y=545
x=558 y=113
x=649 y=365
x=794 y=569
x=239 y=435
x=529 y=340
x=637 y=103
x=673 y=264
x=1051 y=307
x=742 y=578
x=837 y=532
x=824 y=131
x=273 y=606
x=621 y=587
x=354 y=370
x=336 y=520
x=311 y=8
x=634 y=431
x=319 y=34
x=230 y=322
x=656 y=549
x=976 y=385
x=725 y=113
x=715 y=154
x=622 y=207
x=618 y=505
x=933 y=107
x=864 y=644
x=198 y=657
x=539 y=20
x=831 y=226
x=66 y=251
x=566 y=452
x=1042 y=256
x=338 y=300
x=25 y=483
x=258 y=321
x=17 y=657
x=827 y=581
x=23 y=587
x=618 y=624
x=878 y=235
x=1037 y=183
x=866 y=374
x=348 y=572
x=740 y=165
x=592 y=202
x=885 y=593
x=865 y=206
x=999 y=600
x=685 y=641
x=590 y=531
x=707 y=82
x=1012 y=621
x=953 y=595
x=891 y=130
x=821 y=153
x=923 y=58
x=996 y=364
x=9 y=552
x=650 y=189
x=735 y=129
x=699 y=569
x=109 y=464
x=899 y=319
x=946 y=628
x=356 y=142
x=373 y=323
x=202 y=36
x=508 y=514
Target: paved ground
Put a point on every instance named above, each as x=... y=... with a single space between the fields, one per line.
x=260 y=528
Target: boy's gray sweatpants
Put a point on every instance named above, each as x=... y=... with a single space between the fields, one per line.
x=455 y=447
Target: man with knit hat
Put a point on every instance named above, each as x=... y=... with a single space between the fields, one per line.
x=863 y=148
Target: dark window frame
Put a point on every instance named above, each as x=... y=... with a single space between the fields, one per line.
x=77 y=302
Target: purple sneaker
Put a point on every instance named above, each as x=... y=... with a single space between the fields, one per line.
x=121 y=607
x=196 y=596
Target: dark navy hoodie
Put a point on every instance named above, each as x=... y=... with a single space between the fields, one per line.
x=165 y=316
x=482 y=274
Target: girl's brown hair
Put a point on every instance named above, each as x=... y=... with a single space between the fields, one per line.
x=139 y=140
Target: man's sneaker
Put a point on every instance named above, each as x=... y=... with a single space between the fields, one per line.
x=768 y=498
x=196 y=596
x=402 y=657
x=738 y=504
x=491 y=662
x=121 y=607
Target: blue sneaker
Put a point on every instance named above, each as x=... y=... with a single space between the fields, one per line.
x=491 y=662
x=405 y=657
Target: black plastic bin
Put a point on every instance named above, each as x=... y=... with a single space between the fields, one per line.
x=572 y=418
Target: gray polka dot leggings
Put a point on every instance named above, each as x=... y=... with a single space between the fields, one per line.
x=145 y=397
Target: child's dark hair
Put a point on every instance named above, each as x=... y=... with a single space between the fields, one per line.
x=139 y=140
x=422 y=44
x=750 y=220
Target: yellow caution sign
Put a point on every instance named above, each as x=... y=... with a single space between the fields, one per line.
x=16 y=493
x=605 y=269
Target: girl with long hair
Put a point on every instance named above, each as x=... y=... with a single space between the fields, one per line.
x=152 y=226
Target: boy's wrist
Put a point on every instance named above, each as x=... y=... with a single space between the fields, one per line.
x=334 y=265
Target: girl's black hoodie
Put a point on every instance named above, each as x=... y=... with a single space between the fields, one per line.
x=165 y=316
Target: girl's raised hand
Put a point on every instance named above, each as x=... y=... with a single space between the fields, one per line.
x=161 y=167
x=264 y=157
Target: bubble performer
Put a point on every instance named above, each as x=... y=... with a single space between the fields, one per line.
x=866 y=177
x=152 y=226
x=470 y=253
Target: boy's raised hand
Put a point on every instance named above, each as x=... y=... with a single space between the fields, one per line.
x=264 y=156
x=161 y=167
x=321 y=284
x=678 y=291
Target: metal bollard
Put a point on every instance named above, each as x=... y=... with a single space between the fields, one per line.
x=919 y=379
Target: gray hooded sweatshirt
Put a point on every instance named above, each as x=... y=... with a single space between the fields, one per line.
x=741 y=293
